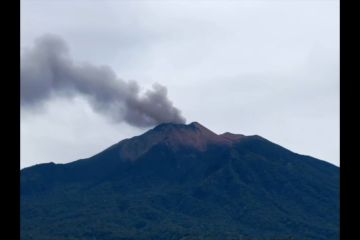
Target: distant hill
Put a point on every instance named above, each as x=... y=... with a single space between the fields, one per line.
x=183 y=182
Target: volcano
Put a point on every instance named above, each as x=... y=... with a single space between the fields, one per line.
x=180 y=181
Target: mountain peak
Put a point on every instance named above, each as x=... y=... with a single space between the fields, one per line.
x=196 y=125
x=189 y=128
x=193 y=135
x=232 y=136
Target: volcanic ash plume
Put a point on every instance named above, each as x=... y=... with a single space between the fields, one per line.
x=48 y=69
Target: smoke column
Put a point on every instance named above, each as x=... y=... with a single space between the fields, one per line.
x=47 y=70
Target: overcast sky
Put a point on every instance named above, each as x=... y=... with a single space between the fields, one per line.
x=269 y=68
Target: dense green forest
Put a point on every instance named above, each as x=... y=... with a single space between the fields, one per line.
x=252 y=189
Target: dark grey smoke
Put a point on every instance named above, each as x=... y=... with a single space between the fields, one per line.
x=47 y=70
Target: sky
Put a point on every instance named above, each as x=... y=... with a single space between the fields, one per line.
x=269 y=68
